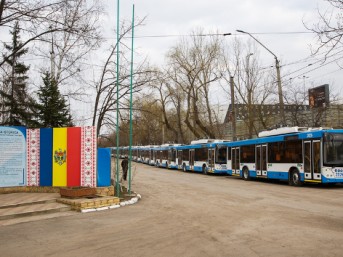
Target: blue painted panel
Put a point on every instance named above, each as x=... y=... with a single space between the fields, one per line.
x=13 y=162
x=331 y=180
x=197 y=169
x=104 y=167
x=46 y=156
x=252 y=173
x=278 y=175
x=215 y=171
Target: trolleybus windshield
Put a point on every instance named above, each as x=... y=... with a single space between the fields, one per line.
x=333 y=150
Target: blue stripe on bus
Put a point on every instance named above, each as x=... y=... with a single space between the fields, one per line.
x=331 y=180
x=271 y=175
x=219 y=171
x=198 y=169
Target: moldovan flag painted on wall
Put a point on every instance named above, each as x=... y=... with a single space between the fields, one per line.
x=59 y=157
x=88 y=156
x=45 y=157
x=62 y=157
x=74 y=156
x=32 y=156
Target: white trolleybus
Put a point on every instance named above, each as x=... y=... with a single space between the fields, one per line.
x=205 y=155
x=165 y=156
x=294 y=154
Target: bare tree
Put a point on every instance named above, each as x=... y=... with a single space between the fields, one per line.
x=177 y=99
x=66 y=49
x=194 y=65
x=34 y=17
x=253 y=86
x=106 y=89
x=165 y=97
x=329 y=28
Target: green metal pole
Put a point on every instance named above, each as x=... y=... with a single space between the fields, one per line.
x=117 y=125
x=131 y=82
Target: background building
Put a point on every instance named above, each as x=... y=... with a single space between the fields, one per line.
x=268 y=117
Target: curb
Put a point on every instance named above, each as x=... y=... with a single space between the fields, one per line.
x=115 y=206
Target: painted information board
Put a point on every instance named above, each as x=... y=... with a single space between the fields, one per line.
x=13 y=156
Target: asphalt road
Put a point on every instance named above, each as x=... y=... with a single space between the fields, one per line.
x=187 y=214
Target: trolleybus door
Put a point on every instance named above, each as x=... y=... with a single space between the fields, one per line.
x=312 y=160
x=191 y=159
x=261 y=160
x=211 y=158
x=179 y=158
x=235 y=160
x=150 y=156
x=154 y=153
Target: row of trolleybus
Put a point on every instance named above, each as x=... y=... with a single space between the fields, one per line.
x=294 y=154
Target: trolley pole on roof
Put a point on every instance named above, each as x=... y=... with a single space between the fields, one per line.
x=131 y=82
x=117 y=125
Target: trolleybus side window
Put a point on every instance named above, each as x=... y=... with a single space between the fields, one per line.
x=275 y=152
x=221 y=154
x=185 y=155
x=293 y=153
x=200 y=154
x=165 y=154
x=248 y=153
x=172 y=155
x=285 y=152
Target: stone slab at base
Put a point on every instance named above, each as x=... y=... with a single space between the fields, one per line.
x=83 y=203
x=76 y=192
x=108 y=191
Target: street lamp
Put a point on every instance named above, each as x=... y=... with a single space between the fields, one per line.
x=277 y=65
x=233 y=111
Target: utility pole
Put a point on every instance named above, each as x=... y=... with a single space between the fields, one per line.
x=278 y=76
x=162 y=127
x=250 y=101
x=52 y=58
x=233 y=111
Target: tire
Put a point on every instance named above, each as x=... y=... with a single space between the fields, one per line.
x=204 y=170
x=184 y=169
x=295 y=179
x=245 y=174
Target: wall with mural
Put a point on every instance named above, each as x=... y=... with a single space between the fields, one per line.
x=52 y=157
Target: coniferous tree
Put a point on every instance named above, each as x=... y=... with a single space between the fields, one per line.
x=52 y=108
x=17 y=107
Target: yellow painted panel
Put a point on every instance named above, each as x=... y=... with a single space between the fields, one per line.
x=59 y=157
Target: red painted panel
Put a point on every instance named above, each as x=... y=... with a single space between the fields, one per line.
x=74 y=157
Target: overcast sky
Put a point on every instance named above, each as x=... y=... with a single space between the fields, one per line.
x=278 y=24
x=268 y=20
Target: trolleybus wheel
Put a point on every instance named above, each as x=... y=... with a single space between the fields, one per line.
x=295 y=178
x=204 y=170
x=246 y=175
